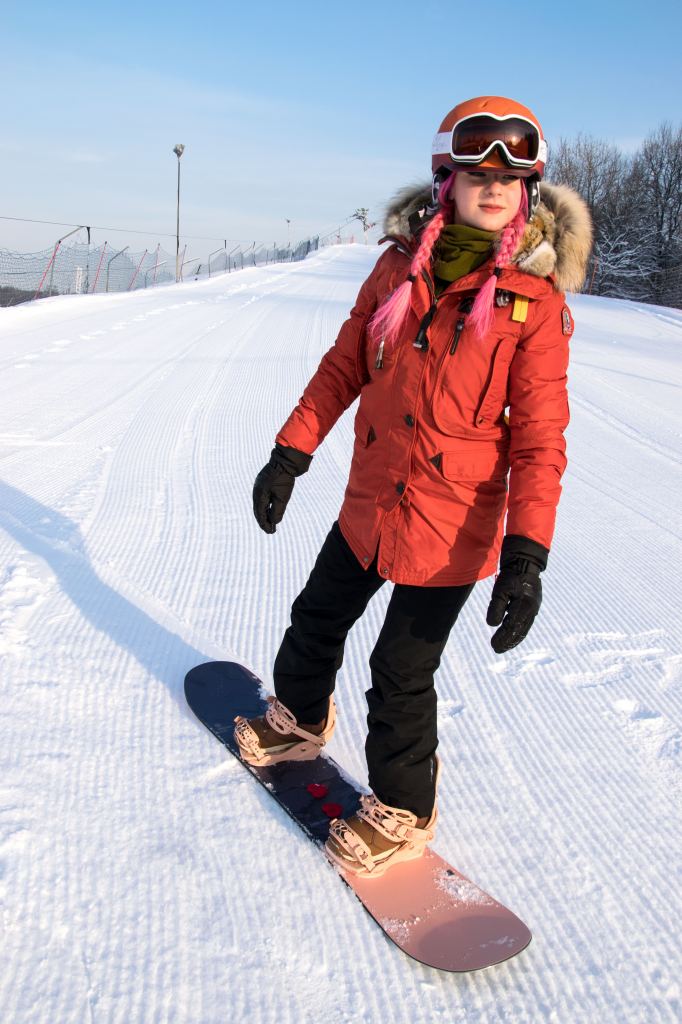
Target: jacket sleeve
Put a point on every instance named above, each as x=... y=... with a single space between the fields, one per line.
x=538 y=417
x=338 y=379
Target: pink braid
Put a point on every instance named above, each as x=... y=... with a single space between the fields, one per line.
x=483 y=312
x=387 y=322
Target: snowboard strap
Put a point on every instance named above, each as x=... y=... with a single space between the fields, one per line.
x=351 y=841
x=393 y=823
x=282 y=721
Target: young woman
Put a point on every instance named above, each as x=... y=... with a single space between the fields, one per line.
x=463 y=316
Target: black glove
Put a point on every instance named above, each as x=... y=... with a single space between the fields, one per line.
x=274 y=485
x=517 y=591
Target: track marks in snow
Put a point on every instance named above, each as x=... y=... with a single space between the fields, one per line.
x=24 y=585
x=655 y=737
x=523 y=663
x=16 y=837
x=448 y=709
x=621 y=675
x=615 y=657
x=129 y=840
x=633 y=433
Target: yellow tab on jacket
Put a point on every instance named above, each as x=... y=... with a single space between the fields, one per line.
x=520 y=310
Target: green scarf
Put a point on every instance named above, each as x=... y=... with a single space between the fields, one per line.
x=459 y=250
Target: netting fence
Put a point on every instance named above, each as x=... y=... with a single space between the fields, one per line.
x=79 y=268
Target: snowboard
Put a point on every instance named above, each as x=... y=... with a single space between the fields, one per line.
x=427 y=908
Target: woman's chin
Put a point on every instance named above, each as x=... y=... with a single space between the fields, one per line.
x=490 y=221
x=485 y=221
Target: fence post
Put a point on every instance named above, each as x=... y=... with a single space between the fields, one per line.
x=54 y=253
x=158 y=250
x=120 y=253
x=99 y=267
x=132 y=282
x=214 y=253
x=51 y=263
x=194 y=259
x=163 y=264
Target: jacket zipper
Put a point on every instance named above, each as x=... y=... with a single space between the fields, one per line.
x=464 y=307
x=459 y=327
x=421 y=341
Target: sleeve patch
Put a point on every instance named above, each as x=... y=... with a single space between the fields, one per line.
x=566 y=321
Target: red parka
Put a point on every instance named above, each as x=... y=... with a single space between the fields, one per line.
x=436 y=462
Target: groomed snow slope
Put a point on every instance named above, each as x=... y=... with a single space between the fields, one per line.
x=143 y=876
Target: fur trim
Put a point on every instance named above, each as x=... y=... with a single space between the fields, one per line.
x=409 y=200
x=557 y=240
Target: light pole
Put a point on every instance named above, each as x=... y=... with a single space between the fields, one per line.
x=288 y=231
x=178 y=150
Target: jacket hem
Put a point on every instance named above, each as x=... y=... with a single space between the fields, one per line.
x=438 y=577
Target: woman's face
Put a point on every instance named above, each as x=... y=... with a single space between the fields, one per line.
x=488 y=200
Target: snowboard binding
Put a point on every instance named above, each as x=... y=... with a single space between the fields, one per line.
x=281 y=720
x=349 y=851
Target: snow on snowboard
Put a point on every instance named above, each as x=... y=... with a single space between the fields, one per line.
x=429 y=910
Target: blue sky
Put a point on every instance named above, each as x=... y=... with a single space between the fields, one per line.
x=292 y=110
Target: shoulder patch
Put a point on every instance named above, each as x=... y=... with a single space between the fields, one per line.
x=566 y=321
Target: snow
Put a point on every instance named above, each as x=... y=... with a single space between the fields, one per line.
x=144 y=877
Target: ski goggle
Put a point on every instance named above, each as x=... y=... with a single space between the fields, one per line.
x=474 y=138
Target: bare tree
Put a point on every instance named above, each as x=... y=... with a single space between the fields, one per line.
x=621 y=266
x=591 y=166
x=658 y=172
x=636 y=206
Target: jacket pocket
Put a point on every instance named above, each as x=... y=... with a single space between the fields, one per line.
x=476 y=463
x=494 y=395
x=470 y=392
x=364 y=431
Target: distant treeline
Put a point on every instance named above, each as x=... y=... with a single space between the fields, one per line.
x=636 y=205
x=12 y=296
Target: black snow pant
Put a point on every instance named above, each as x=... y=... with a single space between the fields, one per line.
x=402 y=736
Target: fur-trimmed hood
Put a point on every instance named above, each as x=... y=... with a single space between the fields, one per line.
x=557 y=240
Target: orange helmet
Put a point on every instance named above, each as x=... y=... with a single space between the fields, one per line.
x=490 y=132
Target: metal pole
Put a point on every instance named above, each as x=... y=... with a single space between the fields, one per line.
x=50 y=265
x=177 y=232
x=178 y=150
x=158 y=250
x=193 y=259
x=228 y=258
x=99 y=267
x=154 y=268
x=115 y=256
x=214 y=253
